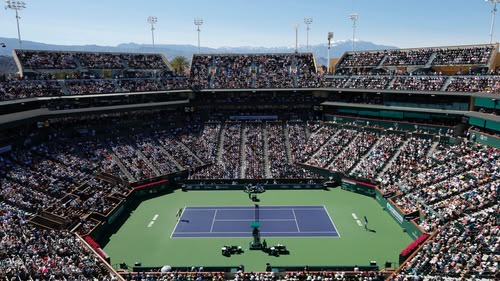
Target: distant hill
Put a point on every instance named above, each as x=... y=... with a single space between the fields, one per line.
x=171 y=50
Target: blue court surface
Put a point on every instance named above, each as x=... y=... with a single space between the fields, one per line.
x=236 y=221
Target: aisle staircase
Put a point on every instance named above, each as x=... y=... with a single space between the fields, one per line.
x=392 y=159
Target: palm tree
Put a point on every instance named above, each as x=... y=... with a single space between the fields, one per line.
x=179 y=64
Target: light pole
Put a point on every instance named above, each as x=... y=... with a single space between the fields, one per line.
x=493 y=12
x=152 y=20
x=16 y=6
x=198 y=22
x=330 y=37
x=307 y=21
x=296 y=37
x=354 y=18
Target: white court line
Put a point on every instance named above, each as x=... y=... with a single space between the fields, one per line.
x=177 y=223
x=296 y=223
x=336 y=229
x=252 y=208
x=219 y=232
x=356 y=219
x=259 y=220
x=280 y=236
x=261 y=208
x=213 y=221
x=153 y=220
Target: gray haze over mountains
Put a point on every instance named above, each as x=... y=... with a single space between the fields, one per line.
x=170 y=50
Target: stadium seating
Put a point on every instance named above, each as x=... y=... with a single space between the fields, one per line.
x=72 y=182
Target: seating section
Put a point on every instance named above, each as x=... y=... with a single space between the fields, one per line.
x=33 y=253
x=476 y=55
x=370 y=166
x=451 y=190
x=485 y=84
x=464 y=249
x=251 y=71
x=56 y=73
x=462 y=55
x=46 y=60
x=72 y=178
x=418 y=83
x=408 y=57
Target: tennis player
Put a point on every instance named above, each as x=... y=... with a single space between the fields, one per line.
x=179 y=213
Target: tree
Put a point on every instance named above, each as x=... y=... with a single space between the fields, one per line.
x=179 y=64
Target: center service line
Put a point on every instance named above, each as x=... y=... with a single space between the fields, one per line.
x=296 y=223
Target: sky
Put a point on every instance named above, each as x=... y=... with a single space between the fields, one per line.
x=257 y=23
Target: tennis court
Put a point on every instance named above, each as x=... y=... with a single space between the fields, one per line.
x=236 y=221
x=146 y=234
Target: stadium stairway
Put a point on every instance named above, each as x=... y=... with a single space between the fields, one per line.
x=170 y=157
x=220 y=144
x=147 y=162
x=65 y=89
x=446 y=84
x=432 y=149
x=389 y=85
x=333 y=136
x=191 y=153
x=431 y=59
x=381 y=63
x=391 y=160
x=356 y=166
x=243 y=141
x=267 y=165
x=329 y=164
x=287 y=144
x=122 y=167
x=308 y=133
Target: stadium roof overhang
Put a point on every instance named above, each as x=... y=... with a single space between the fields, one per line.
x=394 y=108
x=10 y=120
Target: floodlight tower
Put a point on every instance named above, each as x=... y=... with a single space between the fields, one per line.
x=330 y=37
x=307 y=21
x=152 y=20
x=198 y=22
x=493 y=12
x=296 y=25
x=16 y=6
x=354 y=18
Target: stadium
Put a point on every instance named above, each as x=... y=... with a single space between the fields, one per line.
x=117 y=166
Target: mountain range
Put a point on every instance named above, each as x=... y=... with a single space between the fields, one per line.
x=172 y=50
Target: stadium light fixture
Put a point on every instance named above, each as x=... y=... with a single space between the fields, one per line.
x=354 y=18
x=493 y=12
x=198 y=22
x=307 y=21
x=296 y=25
x=330 y=37
x=152 y=20
x=16 y=6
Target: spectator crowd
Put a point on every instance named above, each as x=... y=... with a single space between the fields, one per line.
x=453 y=187
x=69 y=178
x=56 y=73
